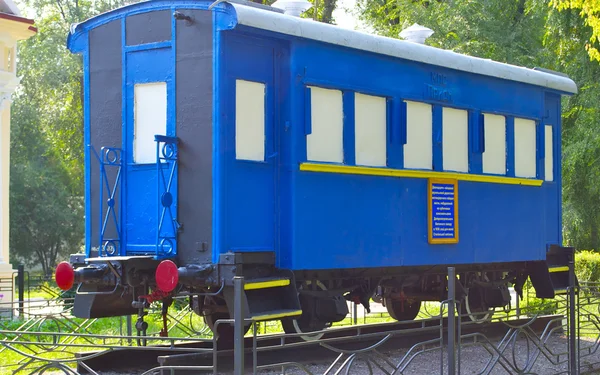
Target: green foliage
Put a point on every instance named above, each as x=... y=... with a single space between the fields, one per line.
x=589 y=11
x=46 y=192
x=531 y=305
x=587 y=266
x=508 y=31
x=527 y=33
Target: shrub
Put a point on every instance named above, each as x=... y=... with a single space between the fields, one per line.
x=587 y=265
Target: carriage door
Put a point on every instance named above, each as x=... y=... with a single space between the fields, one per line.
x=253 y=158
x=151 y=199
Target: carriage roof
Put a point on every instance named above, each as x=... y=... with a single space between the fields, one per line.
x=309 y=29
x=261 y=17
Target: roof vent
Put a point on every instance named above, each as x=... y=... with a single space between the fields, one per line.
x=293 y=7
x=416 y=33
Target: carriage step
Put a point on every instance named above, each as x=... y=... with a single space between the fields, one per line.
x=266 y=283
x=557 y=260
x=559 y=275
x=268 y=298
x=276 y=314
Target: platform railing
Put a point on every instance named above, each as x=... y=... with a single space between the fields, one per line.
x=539 y=339
x=166 y=169
x=110 y=160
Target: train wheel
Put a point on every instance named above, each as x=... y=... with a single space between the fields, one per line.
x=305 y=323
x=475 y=306
x=403 y=310
x=225 y=331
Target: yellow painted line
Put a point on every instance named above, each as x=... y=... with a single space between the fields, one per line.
x=277 y=316
x=266 y=284
x=559 y=269
x=388 y=172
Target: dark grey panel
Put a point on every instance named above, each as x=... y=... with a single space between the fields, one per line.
x=105 y=106
x=148 y=27
x=194 y=129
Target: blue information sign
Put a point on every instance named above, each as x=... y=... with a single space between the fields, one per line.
x=443 y=211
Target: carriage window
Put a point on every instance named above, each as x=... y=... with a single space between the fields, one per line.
x=325 y=141
x=525 y=148
x=494 y=156
x=418 y=148
x=455 y=135
x=249 y=120
x=150 y=119
x=370 y=130
x=549 y=154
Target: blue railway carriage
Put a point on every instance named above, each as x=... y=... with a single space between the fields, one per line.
x=324 y=165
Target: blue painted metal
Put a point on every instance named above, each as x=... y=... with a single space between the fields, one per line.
x=343 y=221
x=110 y=158
x=320 y=221
x=540 y=149
x=438 y=137
x=248 y=189
x=166 y=168
x=147 y=46
x=348 y=105
x=396 y=130
x=510 y=146
x=476 y=142
x=87 y=155
x=307 y=111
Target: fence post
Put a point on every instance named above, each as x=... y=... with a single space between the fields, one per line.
x=573 y=353
x=451 y=321
x=238 y=316
x=129 y=329
x=21 y=288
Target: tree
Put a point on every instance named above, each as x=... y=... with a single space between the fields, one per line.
x=589 y=10
x=527 y=33
x=46 y=195
x=324 y=9
x=566 y=35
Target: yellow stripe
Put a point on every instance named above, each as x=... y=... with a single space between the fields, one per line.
x=277 y=316
x=266 y=284
x=560 y=291
x=559 y=269
x=371 y=171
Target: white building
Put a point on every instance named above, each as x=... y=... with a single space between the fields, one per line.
x=13 y=27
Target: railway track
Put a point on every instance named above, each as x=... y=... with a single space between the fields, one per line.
x=270 y=351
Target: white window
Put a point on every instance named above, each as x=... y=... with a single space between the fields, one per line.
x=494 y=156
x=548 y=154
x=249 y=120
x=525 y=148
x=370 y=130
x=149 y=118
x=325 y=142
x=455 y=135
x=418 y=152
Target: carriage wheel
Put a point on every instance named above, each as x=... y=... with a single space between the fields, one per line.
x=403 y=310
x=225 y=331
x=475 y=306
x=305 y=323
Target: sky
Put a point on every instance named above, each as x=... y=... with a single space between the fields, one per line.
x=343 y=16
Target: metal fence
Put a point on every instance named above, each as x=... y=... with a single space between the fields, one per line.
x=559 y=336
